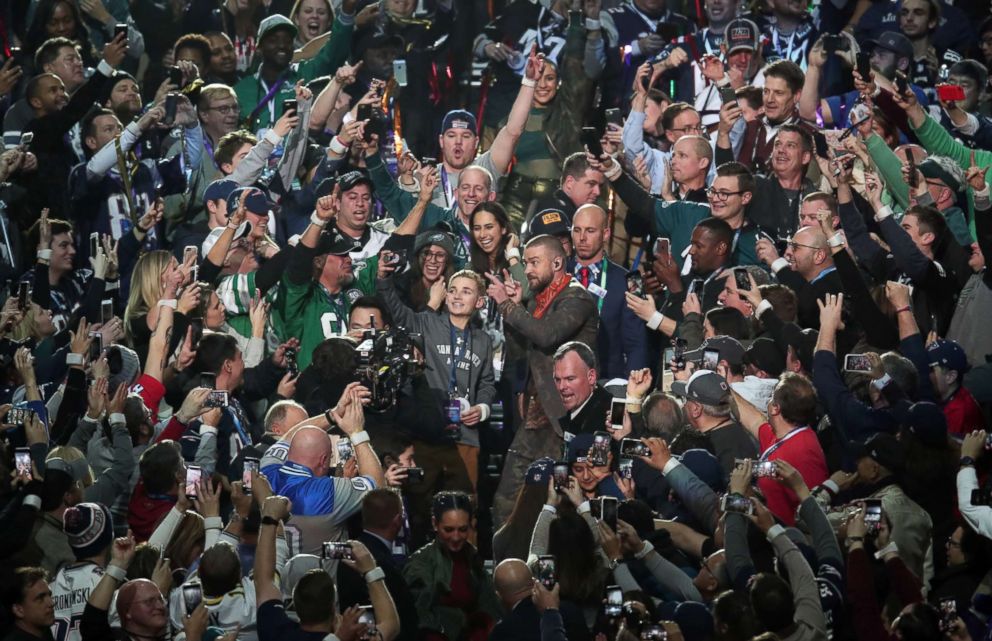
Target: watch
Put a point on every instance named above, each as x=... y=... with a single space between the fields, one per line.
x=966 y=460
x=268 y=520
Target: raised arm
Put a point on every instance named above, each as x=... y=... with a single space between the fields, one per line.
x=508 y=135
x=386 y=616
x=275 y=510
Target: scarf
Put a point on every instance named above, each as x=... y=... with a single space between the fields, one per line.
x=549 y=293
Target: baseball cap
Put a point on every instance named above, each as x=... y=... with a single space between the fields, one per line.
x=948 y=354
x=89 y=528
x=273 y=22
x=352 y=179
x=803 y=341
x=930 y=168
x=927 y=422
x=764 y=354
x=578 y=447
x=742 y=33
x=704 y=386
x=379 y=41
x=730 y=350
x=885 y=449
x=894 y=42
x=550 y=221
x=220 y=189
x=335 y=244
x=208 y=243
x=539 y=471
x=256 y=202
x=459 y=119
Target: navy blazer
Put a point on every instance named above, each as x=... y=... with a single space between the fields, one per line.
x=622 y=341
x=523 y=623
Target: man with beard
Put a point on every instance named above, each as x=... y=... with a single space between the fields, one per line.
x=560 y=310
x=807 y=268
x=622 y=342
x=789 y=31
x=123 y=97
x=223 y=66
x=261 y=95
x=352 y=219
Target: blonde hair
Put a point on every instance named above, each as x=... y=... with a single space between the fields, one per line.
x=146 y=286
x=213 y=92
x=480 y=284
x=69 y=454
x=185 y=538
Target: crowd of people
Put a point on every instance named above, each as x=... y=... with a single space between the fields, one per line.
x=411 y=320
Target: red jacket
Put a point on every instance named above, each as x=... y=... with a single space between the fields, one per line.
x=962 y=413
x=145 y=511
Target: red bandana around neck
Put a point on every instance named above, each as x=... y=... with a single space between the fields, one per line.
x=551 y=292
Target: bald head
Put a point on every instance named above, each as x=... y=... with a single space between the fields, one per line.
x=513 y=581
x=589 y=233
x=311 y=447
x=808 y=253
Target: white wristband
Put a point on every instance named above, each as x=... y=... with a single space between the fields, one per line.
x=359 y=437
x=316 y=220
x=779 y=264
x=527 y=82
x=774 y=531
x=213 y=523
x=168 y=302
x=646 y=549
x=116 y=573
x=207 y=430
x=375 y=574
x=116 y=418
x=551 y=509
x=884 y=212
x=593 y=25
x=614 y=171
x=337 y=146
x=655 y=321
x=891 y=548
x=837 y=240
x=633 y=400
x=511 y=252
x=32 y=500
x=45 y=254
x=73 y=358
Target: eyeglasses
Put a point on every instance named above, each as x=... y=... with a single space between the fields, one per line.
x=436 y=257
x=793 y=245
x=951 y=543
x=150 y=601
x=224 y=109
x=689 y=129
x=721 y=196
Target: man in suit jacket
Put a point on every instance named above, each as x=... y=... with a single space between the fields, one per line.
x=514 y=583
x=622 y=343
x=560 y=310
x=382 y=519
x=586 y=403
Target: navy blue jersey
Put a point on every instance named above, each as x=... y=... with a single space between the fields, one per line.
x=232 y=436
x=778 y=46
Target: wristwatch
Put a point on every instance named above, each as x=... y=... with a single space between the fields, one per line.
x=268 y=520
x=966 y=460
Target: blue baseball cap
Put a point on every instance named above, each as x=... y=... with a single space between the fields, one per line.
x=540 y=471
x=459 y=119
x=948 y=354
x=219 y=189
x=257 y=203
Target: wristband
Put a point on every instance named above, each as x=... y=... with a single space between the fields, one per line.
x=213 y=523
x=207 y=430
x=45 y=254
x=779 y=264
x=337 y=146
x=583 y=508
x=527 y=82
x=73 y=358
x=593 y=25
x=633 y=400
x=774 y=531
x=891 y=548
x=907 y=308
x=551 y=509
x=359 y=437
x=116 y=573
x=375 y=574
x=837 y=240
x=966 y=461
x=268 y=520
x=880 y=383
x=273 y=137
x=613 y=172
x=655 y=321
x=511 y=252
x=645 y=550
x=316 y=220
x=32 y=500
x=117 y=418
x=855 y=539
x=168 y=302
x=723 y=82
x=884 y=212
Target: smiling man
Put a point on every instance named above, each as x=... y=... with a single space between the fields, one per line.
x=807 y=269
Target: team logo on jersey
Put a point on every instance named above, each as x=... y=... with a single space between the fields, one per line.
x=353 y=295
x=360 y=484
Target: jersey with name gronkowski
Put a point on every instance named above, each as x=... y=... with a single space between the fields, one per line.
x=70 y=590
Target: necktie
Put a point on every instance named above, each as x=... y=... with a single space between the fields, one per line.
x=584 y=275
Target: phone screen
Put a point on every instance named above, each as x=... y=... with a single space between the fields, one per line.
x=609 y=510
x=193 y=473
x=662 y=247
x=857 y=363
x=600 y=449
x=741 y=279
x=22 y=462
x=106 y=310
x=617 y=410
x=546 y=571
x=614 y=600
x=251 y=465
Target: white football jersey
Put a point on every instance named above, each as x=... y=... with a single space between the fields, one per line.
x=70 y=590
x=235 y=610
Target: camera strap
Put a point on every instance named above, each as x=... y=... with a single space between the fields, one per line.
x=771 y=450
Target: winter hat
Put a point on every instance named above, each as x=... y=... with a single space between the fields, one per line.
x=89 y=527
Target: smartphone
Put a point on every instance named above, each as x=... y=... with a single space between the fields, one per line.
x=728 y=94
x=335 y=550
x=614 y=117
x=614 y=601
x=176 y=76
x=96 y=346
x=662 y=247
x=600 y=449
x=742 y=280
x=561 y=471
x=208 y=380
x=832 y=43
x=291 y=363
x=678 y=353
x=367 y=617
x=18 y=416
x=22 y=296
x=764 y=470
x=635 y=283
x=590 y=138
x=26 y=139
x=914 y=180
x=697 y=286
x=864 y=65
x=94 y=243
x=15 y=52
x=902 y=83
x=171 y=104
x=120 y=28
x=608 y=511
x=193 y=474
x=192 y=597
x=873 y=514
x=546 y=571
x=654 y=633
x=739 y=503
x=414 y=475
x=22 y=462
x=857 y=363
x=106 y=310
x=250 y=465
x=345 y=450
x=288 y=106
x=397 y=257
x=364 y=112
x=948 y=614
x=217 y=398
x=950 y=93
x=399 y=72
x=617 y=410
x=711 y=359
x=631 y=447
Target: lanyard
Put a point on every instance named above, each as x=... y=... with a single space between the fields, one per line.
x=459 y=347
x=209 y=147
x=771 y=450
x=237 y=425
x=267 y=100
x=449 y=196
x=822 y=274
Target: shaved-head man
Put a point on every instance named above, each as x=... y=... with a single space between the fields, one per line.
x=298 y=467
x=621 y=344
x=807 y=269
x=514 y=585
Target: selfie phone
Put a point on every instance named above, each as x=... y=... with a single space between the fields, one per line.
x=662 y=247
x=864 y=65
x=18 y=416
x=288 y=106
x=734 y=502
x=857 y=363
x=414 y=475
x=192 y=597
x=626 y=468
x=335 y=550
x=728 y=94
x=176 y=76
x=399 y=72
x=617 y=409
x=600 y=449
x=654 y=632
x=217 y=398
x=711 y=359
x=614 y=117
x=191 y=254
x=171 y=104
x=22 y=462
x=742 y=280
x=193 y=474
x=106 y=310
x=250 y=465
x=367 y=617
x=561 y=471
x=120 y=28
x=631 y=447
x=832 y=43
x=22 y=296
x=94 y=243
x=291 y=364
x=913 y=181
x=614 y=601
x=546 y=570
x=590 y=138
x=902 y=83
x=873 y=514
x=950 y=93
x=26 y=139
x=345 y=450
x=608 y=511
x=764 y=470
x=96 y=346
x=635 y=283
